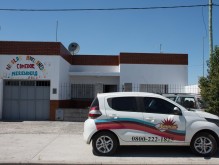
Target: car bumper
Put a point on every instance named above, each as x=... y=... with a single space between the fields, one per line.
x=89 y=130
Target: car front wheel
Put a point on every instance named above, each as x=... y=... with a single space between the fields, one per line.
x=204 y=144
x=104 y=144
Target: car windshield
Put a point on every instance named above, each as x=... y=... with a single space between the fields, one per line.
x=173 y=98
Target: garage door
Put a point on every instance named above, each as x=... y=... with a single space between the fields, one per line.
x=26 y=100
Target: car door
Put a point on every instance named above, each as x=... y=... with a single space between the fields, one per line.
x=162 y=126
x=124 y=116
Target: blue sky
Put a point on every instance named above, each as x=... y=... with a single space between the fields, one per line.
x=110 y=32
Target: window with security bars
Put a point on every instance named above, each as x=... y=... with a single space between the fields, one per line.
x=11 y=83
x=82 y=91
x=127 y=87
x=43 y=83
x=26 y=83
x=154 y=88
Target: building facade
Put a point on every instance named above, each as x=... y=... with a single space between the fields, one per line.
x=37 y=78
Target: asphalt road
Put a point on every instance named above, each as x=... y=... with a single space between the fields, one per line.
x=62 y=143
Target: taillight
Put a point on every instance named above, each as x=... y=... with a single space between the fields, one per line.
x=94 y=112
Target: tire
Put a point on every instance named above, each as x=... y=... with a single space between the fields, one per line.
x=104 y=144
x=204 y=144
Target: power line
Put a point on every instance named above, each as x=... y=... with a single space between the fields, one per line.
x=203 y=19
x=105 y=9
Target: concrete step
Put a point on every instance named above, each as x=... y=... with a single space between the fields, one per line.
x=75 y=115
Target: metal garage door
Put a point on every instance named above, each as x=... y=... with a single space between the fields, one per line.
x=26 y=100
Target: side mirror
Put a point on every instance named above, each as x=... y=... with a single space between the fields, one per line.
x=177 y=111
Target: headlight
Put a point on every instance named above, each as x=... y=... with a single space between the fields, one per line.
x=215 y=121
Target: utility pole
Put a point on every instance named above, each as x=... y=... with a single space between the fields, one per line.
x=210 y=28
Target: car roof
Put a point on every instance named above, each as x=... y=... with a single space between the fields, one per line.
x=114 y=94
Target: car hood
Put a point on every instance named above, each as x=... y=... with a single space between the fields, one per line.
x=206 y=115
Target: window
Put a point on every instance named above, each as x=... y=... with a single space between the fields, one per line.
x=11 y=83
x=123 y=104
x=154 y=88
x=187 y=102
x=82 y=91
x=43 y=83
x=156 y=105
x=173 y=98
x=127 y=87
x=27 y=83
x=109 y=88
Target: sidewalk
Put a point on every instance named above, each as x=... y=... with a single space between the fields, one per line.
x=62 y=143
x=41 y=148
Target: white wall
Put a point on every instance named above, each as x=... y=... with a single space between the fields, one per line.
x=175 y=76
x=192 y=89
x=55 y=69
x=92 y=68
x=10 y=67
x=153 y=74
x=54 y=76
x=111 y=80
x=64 y=67
x=1 y=97
x=89 y=74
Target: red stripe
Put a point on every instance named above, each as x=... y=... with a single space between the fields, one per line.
x=135 y=126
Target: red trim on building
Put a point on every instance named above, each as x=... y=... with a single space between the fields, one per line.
x=56 y=48
x=95 y=60
x=154 y=58
x=32 y=48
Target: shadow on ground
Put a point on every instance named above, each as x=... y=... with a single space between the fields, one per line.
x=157 y=151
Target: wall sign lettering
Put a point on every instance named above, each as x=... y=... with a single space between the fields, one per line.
x=25 y=67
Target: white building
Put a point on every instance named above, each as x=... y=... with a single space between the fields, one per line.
x=36 y=78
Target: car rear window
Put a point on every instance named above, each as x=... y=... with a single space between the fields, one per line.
x=123 y=103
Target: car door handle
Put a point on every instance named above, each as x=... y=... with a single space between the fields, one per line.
x=113 y=116
x=150 y=119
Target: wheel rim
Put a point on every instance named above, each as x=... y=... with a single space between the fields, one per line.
x=203 y=145
x=104 y=144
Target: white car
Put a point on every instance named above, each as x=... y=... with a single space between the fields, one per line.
x=137 y=118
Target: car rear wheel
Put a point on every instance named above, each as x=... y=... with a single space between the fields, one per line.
x=204 y=144
x=104 y=144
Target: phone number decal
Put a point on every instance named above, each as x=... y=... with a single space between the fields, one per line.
x=151 y=139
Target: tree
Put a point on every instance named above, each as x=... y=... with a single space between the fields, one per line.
x=210 y=85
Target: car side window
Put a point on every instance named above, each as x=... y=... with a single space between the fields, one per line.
x=189 y=102
x=157 y=105
x=172 y=98
x=123 y=104
x=179 y=101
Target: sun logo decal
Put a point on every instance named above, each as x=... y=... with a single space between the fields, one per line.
x=167 y=124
